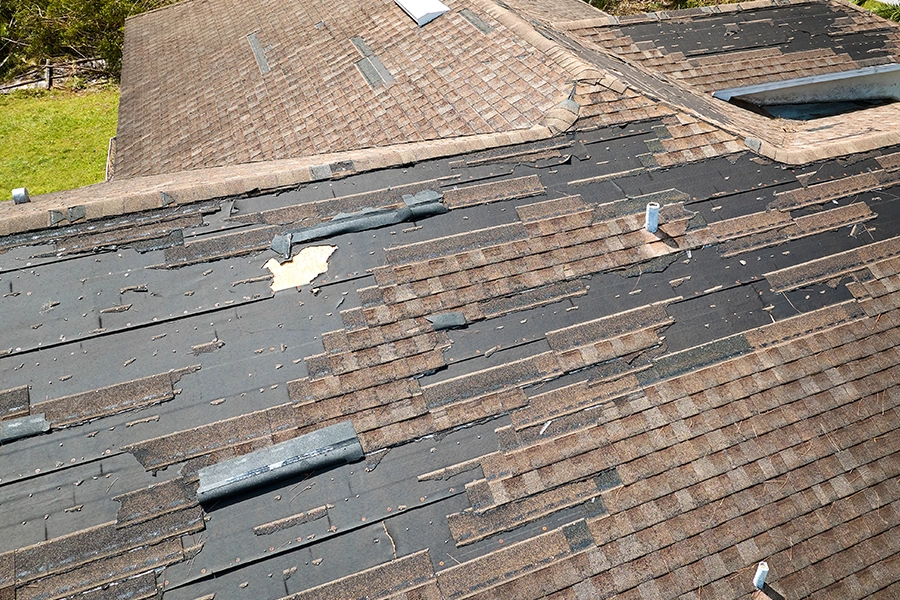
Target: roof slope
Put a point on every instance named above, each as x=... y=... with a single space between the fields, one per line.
x=625 y=413
x=208 y=83
x=552 y=401
x=685 y=56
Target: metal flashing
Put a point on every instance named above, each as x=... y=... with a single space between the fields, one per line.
x=879 y=81
x=362 y=46
x=374 y=71
x=14 y=429
x=475 y=20
x=320 y=449
x=259 y=52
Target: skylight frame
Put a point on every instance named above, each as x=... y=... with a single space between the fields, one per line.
x=422 y=11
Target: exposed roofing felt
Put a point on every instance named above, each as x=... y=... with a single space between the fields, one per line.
x=624 y=413
x=551 y=401
x=213 y=82
x=684 y=56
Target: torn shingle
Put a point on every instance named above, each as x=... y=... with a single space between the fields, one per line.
x=510 y=189
x=79 y=408
x=14 y=402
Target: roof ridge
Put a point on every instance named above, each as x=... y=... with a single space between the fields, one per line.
x=704 y=11
x=568 y=60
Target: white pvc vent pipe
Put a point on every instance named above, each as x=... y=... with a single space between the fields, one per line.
x=20 y=195
x=652 y=220
x=759 y=580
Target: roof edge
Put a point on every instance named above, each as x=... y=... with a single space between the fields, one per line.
x=841 y=147
x=118 y=197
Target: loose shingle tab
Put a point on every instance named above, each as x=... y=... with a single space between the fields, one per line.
x=83 y=407
x=693 y=358
x=470 y=526
x=101 y=573
x=22 y=427
x=291 y=521
x=391 y=578
x=510 y=189
x=638 y=204
x=61 y=554
x=14 y=402
x=482 y=238
x=154 y=501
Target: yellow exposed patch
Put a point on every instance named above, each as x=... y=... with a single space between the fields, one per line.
x=300 y=270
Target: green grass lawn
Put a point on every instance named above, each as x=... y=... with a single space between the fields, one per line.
x=58 y=140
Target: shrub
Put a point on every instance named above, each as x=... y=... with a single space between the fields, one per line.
x=32 y=31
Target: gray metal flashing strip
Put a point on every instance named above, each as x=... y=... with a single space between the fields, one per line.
x=362 y=46
x=374 y=71
x=320 y=449
x=259 y=52
x=475 y=20
x=368 y=72
x=14 y=429
x=363 y=220
x=729 y=93
x=382 y=70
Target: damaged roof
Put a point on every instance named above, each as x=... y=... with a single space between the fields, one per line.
x=480 y=375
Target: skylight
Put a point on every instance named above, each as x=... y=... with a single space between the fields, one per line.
x=422 y=11
x=818 y=96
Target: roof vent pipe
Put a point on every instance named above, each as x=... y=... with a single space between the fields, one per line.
x=759 y=580
x=20 y=195
x=652 y=221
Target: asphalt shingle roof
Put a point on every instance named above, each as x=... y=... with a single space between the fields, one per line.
x=447 y=80
x=552 y=401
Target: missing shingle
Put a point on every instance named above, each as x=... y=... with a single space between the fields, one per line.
x=607 y=479
x=259 y=52
x=655 y=265
x=647 y=160
x=577 y=534
x=475 y=20
x=654 y=146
